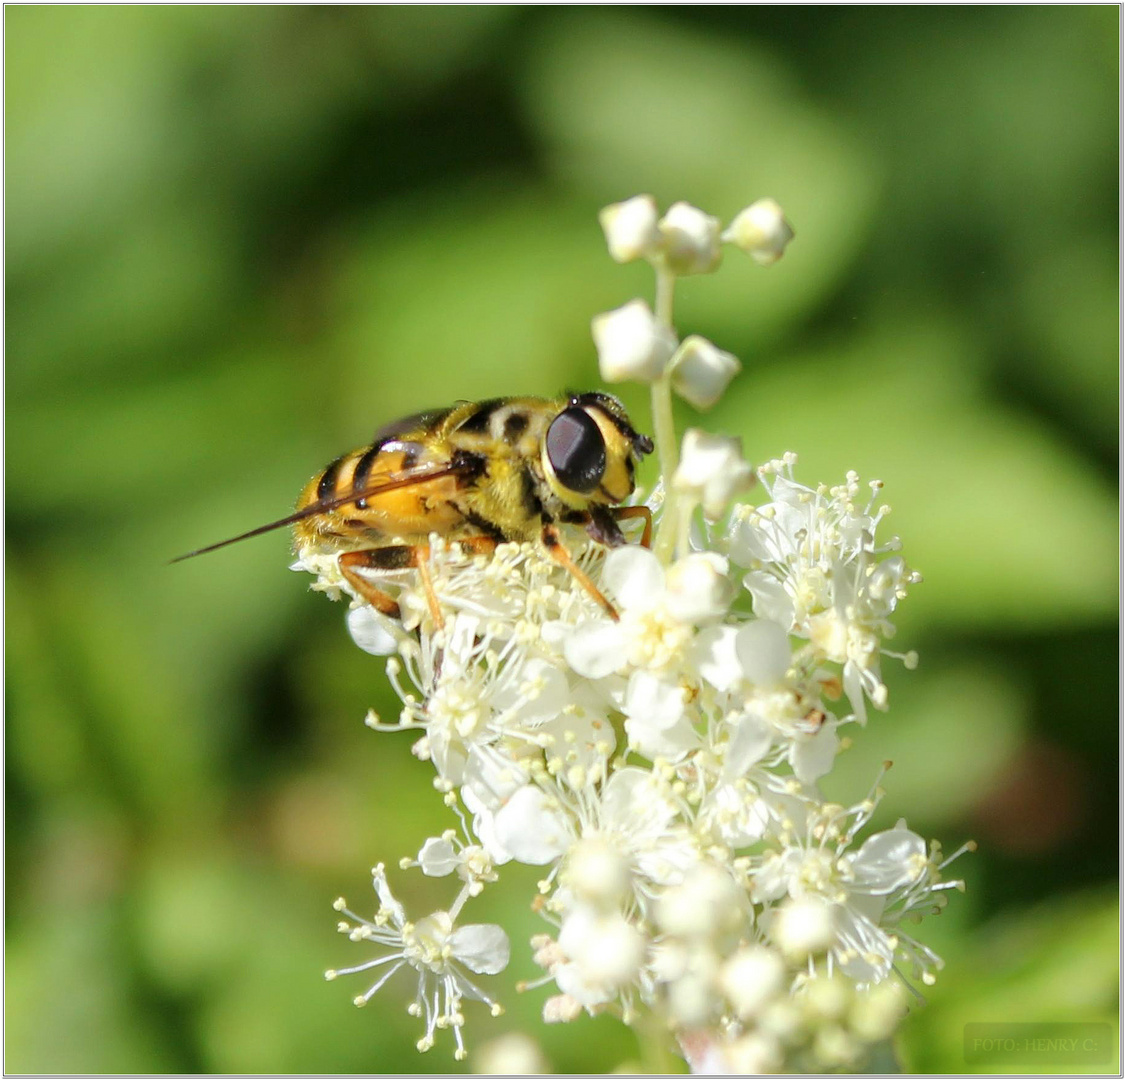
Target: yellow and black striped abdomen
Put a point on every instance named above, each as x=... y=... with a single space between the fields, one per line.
x=409 y=513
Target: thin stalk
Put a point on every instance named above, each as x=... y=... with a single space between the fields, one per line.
x=664 y=424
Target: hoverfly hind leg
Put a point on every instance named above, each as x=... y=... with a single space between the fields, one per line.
x=387 y=558
x=402 y=557
x=391 y=557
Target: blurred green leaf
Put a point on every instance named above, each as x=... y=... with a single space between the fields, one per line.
x=1055 y=963
x=1006 y=522
x=70 y=1005
x=1070 y=302
x=933 y=716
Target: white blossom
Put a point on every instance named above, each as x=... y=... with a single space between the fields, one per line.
x=712 y=471
x=660 y=764
x=814 y=568
x=630 y=228
x=761 y=230
x=632 y=343
x=436 y=949
x=701 y=372
x=691 y=240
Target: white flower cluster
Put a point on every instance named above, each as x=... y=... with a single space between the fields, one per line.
x=662 y=767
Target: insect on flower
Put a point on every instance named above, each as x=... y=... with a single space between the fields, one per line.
x=479 y=473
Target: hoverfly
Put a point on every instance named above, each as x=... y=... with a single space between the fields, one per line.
x=479 y=473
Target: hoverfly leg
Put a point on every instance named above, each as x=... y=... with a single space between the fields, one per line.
x=391 y=557
x=554 y=545
x=622 y=513
x=601 y=523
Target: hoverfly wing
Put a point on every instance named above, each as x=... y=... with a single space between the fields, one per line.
x=321 y=506
x=427 y=419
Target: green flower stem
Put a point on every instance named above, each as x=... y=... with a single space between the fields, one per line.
x=664 y=424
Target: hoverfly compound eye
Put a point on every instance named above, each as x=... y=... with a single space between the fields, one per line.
x=576 y=450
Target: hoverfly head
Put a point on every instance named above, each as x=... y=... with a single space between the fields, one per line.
x=591 y=450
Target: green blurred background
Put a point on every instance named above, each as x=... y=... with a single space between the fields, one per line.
x=240 y=238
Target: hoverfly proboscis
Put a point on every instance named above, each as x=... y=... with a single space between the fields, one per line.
x=479 y=473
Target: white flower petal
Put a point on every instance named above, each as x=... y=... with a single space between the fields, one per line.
x=771 y=601
x=652 y=701
x=437 y=857
x=596 y=648
x=750 y=742
x=482 y=947
x=484 y=827
x=634 y=577
x=372 y=631
x=532 y=827
x=672 y=743
x=812 y=756
x=763 y=651
x=889 y=860
x=715 y=657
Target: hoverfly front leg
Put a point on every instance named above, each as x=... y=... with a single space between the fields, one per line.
x=622 y=513
x=601 y=523
x=555 y=548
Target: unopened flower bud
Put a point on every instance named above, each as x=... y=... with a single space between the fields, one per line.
x=827 y=997
x=607 y=950
x=751 y=978
x=560 y=1009
x=701 y=371
x=712 y=470
x=804 y=928
x=875 y=1012
x=761 y=231
x=513 y=1054
x=691 y=240
x=756 y=1054
x=632 y=343
x=596 y=871
x=698 y=587
x=707 y=904
x=691 y=1001
x=630 y=228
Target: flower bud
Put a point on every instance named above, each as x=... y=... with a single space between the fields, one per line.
x=513 y=1054
x=804 y=928
x=691 y=240
x=750 y=978
x=761 y=231
x=698 y=587
x=607 y=950
x=630 y=228
x=706 y=905
x=712 y=470
x=701 y=372
x=632 y=344
x=756 y=1054
x=876 y=1012
x=596 y=871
